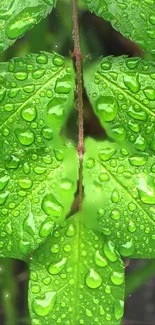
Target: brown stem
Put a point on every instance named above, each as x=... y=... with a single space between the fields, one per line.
x=78 y=62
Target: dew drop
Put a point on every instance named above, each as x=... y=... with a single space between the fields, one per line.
x=110 y=251
x=100 y=260
x=51 y=206
x=43 y=305
x=107 y=108
x=93 y=279
x=46 y=228
x=117 y=278
x=29 y=113
x=56 y=268
x=26 y=137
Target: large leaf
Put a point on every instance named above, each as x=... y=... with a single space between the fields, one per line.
x=120 y=197
x=135 y=19
x=18 y=16
x=37 y=177
x=76 y=278
x=122 y=92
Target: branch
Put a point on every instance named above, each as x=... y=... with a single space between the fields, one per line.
x=78 y=63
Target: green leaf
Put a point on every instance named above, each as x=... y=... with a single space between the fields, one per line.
x=17 y=17
x=120 y=197
x=76 y=278
x=37 y=177
x=135 y=19
x=122 y=93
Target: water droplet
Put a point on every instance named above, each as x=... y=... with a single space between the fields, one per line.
x=25 y=183
x=4 y=181
x=127 y=249
x=100 y=260
x=21 y=75
x=146 y=190
x=47 y=133
x=137 y=114
x=93 y=279
x=51 y=206
x=43 y=305
x=138 y=160
x=56 y=268
x=90 y=163
x=29 y=88
x=26 y=137
x=132 y=83
x=29 y=113
x=29 y=225
x=149 y=93
x=88 y=313
x=37 y=74
x=106 y=154
x=56 y=107
x=42 y=58
x=70 y=231
x=118 y=309
x=63 y=85
x=132 y=63
x=117 y=278
x=12 y=163
x=107 y=108
x=110 y=251
x=131 y=226
x=115 y=196
x=24 y=247
x=46 y=228
x=58 y=60
x=115 y=214
x=3 y=197
x=104 y=177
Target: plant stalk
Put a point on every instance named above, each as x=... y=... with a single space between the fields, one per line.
x=79 y=82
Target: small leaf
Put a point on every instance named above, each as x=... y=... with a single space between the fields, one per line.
x=17 y=17
x=74 y=278
x=134 y=19
x=120 y=197
x=37 y=177
x=122 y=93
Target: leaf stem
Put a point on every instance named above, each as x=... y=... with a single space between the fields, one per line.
x=79 y=81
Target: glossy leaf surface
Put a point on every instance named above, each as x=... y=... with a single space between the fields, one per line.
x=18 y=16
x=37 y=177
x=135 y=19
x=77 y=277
x=122 y=93
x=120 y=197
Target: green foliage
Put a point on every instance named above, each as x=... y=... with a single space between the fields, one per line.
x=17 y=17
x=120 y=195
x=37 y=179
x=135 y=19
x=122 y=93
x=69 y=272
x=76 y=271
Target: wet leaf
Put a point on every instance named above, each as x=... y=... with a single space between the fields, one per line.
x=120 y=197
x=17 y=17
x=76 y=277
x=135 y=19
x=122 y=93
x=37 y=177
